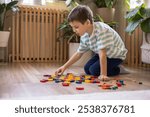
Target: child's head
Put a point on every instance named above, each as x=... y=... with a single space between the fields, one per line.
x=81 y=13
x=79 y=18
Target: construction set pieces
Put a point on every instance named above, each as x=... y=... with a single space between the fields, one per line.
x=66 y=80
x=118 y=83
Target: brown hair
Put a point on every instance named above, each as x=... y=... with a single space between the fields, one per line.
x=80 y=13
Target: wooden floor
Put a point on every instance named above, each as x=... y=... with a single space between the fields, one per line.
x=22 y=80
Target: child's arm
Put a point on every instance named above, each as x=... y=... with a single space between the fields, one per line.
x=76 y=56
x=103 y=64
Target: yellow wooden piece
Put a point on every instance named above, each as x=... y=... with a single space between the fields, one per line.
x=77 y=78
x=67 y=82
x=70 y=76
x=53 y=76
x=87 y=81
x=50 y=79
x=87 y=77
x=62 y=77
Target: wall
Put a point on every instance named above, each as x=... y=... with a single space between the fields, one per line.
x=147 y=2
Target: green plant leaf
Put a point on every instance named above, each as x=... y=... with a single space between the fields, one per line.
x=136 y=17
x=135 y=11
x=132 y=26
x=147 y=12
x=11 y=4
x=112 y=24
x=2 y=8
x=67 y=32
x=98 y=18
x=145 y=25
x=110 y=3
x=127 y=3
x=100 y=3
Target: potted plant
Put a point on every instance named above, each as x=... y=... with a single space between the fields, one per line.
x=140 y=16
x=4 y=8
x=105 y=8
x=67 y=32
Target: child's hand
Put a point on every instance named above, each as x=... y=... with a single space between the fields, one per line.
x=103 y=78
x=60 y=70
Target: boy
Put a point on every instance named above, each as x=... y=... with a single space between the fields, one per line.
x=105 y=42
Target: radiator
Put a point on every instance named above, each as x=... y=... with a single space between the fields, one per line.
x=35 y=35
x=133 y=43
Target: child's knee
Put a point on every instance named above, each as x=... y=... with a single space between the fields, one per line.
x=86 y=69
x=94 y=72
x=113 y=72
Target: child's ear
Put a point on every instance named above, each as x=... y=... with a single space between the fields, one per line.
x=88 y=21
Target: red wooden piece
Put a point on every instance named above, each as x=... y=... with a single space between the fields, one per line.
x=79 y=88
x=118 y=84
x=44 y=80
x=65 y=84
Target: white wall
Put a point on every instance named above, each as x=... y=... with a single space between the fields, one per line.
x=147 y=2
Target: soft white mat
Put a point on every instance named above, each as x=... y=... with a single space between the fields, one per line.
x=121 y=95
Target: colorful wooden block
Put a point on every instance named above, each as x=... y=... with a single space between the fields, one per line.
x=43 y=80
x=79 y=88
x=65 y=84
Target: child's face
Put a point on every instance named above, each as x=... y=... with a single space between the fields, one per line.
x=79 y=28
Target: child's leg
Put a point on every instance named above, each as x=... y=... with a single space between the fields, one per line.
x=112 y=66
x=90 y=63
x=93 y=66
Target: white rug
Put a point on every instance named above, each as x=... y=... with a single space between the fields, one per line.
x=121 y=95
